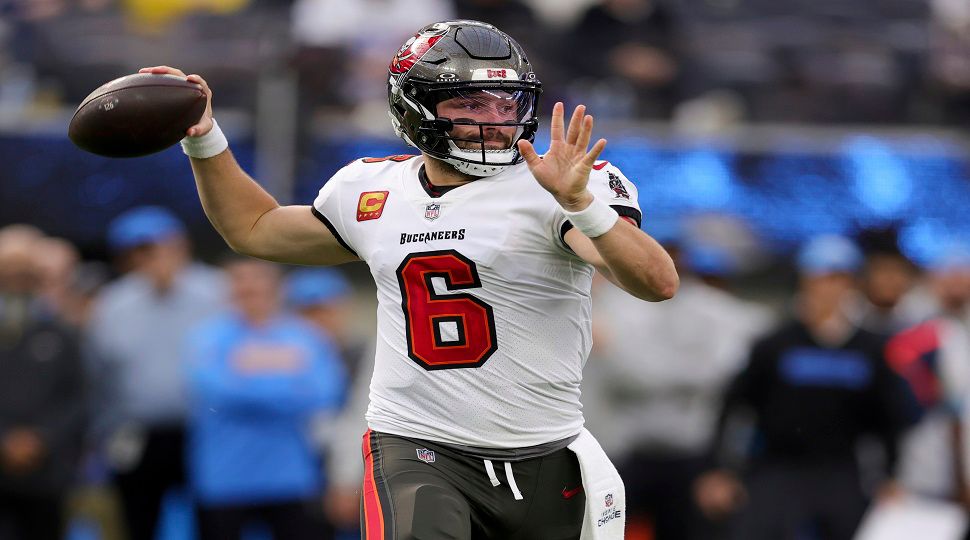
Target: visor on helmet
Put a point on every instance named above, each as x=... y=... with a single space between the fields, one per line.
x=485 y=106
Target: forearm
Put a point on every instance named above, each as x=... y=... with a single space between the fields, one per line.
x=232 y=200
x=637 y=263
x=624 y=254
x=248 y=218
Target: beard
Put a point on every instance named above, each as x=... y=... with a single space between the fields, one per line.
x=494 y=140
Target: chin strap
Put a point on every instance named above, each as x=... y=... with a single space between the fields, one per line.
x=475 y=169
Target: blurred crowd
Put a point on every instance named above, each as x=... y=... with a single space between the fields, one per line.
x=699 y=62
x=736 y=420
x=161 y=397
x=161 y=382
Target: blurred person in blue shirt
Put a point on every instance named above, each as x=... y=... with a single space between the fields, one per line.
x=259 y=378
x=136 y=333
x=324 y=297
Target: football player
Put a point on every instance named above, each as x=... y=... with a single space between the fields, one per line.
x=483 y=253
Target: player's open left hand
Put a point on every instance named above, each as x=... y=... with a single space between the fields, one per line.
x=564 y=169
x=205 y=123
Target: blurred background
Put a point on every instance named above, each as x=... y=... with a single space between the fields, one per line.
x=807 y=163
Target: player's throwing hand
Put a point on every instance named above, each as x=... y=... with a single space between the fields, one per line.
x=205 y=123
x=564 y=169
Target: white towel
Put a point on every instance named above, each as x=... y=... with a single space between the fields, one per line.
x=605 y=496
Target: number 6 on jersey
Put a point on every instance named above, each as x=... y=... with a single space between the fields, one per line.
x=445 y=331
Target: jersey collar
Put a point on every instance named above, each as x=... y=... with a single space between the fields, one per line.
x=432 y=190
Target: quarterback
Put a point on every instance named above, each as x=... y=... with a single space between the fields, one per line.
x=483 y=254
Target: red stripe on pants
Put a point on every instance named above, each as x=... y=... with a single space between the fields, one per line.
x=373 y=513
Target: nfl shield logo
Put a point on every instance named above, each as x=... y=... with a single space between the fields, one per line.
x=426 y=455
x=609 y=500
x=432 y=211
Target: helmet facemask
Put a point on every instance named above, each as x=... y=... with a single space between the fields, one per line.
x=478 y=128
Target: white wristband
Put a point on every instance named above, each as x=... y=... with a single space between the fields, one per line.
x=595 y=219
x=205 y=146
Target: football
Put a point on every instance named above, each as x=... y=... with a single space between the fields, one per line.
x=137 y=115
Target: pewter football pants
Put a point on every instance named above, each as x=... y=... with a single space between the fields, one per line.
x=415 y=489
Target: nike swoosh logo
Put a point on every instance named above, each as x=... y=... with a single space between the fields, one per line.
x=570 y=493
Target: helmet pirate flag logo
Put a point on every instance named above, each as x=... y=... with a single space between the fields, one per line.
x=416 y=47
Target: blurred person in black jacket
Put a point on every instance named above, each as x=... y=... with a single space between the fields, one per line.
x=815 y=386
x=58 y=261
x=41 y=393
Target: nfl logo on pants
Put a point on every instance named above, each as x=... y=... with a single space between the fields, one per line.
x=426 y=455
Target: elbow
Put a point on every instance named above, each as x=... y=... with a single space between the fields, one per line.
x=233 y=238
x=665 y=288
x=243 y=245
x=651 y=286
x=670 y=283
x=239 y=248
x=669 y=289
x=660 y=276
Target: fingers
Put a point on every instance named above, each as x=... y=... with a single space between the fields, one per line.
x=594 y=152
x=200 y=81
x=529 y=153
x=205 y=123
x=556 y=125
x=585 y=132
x=200 y=129
x=574 y=125
x=166 y=70
x=162 y=70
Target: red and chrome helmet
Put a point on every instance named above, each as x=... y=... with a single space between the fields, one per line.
x=465 y=93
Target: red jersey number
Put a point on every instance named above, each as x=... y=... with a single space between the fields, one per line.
x=445 y=331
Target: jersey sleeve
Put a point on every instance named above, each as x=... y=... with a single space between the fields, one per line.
x=607 y=183
x=329 y=208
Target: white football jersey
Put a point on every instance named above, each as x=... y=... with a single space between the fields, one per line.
x=483 y=323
